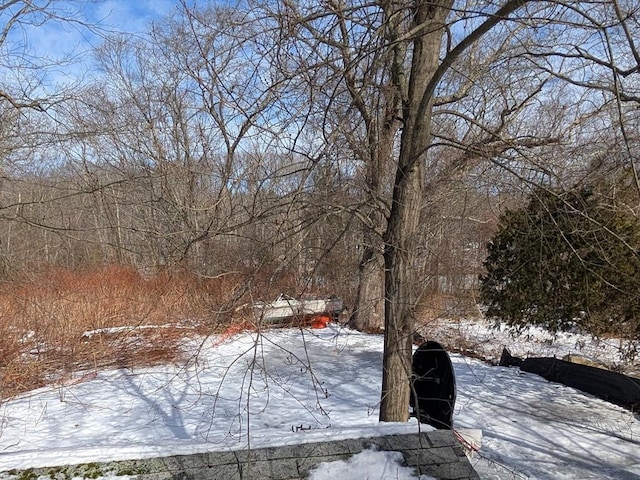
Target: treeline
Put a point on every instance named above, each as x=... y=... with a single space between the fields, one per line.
x=297 y=230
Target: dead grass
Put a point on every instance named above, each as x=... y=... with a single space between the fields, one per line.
x=57 y=321
x=437 y=305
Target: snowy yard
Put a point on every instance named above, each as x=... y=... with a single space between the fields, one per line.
x=292 y=386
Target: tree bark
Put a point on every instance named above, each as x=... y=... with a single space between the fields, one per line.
x=402 y=228
x=400 y=256
x=382 y=128
x=368 y=313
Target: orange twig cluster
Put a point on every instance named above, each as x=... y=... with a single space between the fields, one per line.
x=59 y=321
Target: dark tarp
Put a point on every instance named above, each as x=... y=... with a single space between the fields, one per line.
x=433 y=386
x=507 y=360
x=610 y=386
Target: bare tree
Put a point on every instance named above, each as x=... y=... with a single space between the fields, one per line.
x=480 y=81
x=29 y=81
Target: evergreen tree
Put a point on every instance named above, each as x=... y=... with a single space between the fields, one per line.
x=567 y=259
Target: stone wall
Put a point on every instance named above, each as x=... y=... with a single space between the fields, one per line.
x=433 y=453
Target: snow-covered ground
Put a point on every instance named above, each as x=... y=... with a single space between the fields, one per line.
x=484 y=339
x=291 y=386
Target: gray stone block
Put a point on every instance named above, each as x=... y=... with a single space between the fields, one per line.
x=153 y=476
x=455 y=471
x=281 y=469
x=308 y=463
x=286 y=451
x=185 y=463
x=220 y=458
x=351 y=446
x=406 y=442
x=442 y=438
x=385 y=443
x=439 y=455
x=220 y=472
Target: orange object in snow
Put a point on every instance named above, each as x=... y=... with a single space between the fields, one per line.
x=321 y=321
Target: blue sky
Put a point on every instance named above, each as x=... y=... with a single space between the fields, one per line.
x=128 y=15
x=50 y=42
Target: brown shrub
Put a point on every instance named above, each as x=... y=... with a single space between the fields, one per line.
x=58 y=321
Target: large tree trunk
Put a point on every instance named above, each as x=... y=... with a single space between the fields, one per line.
x=369 y=311
x=402 y=228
